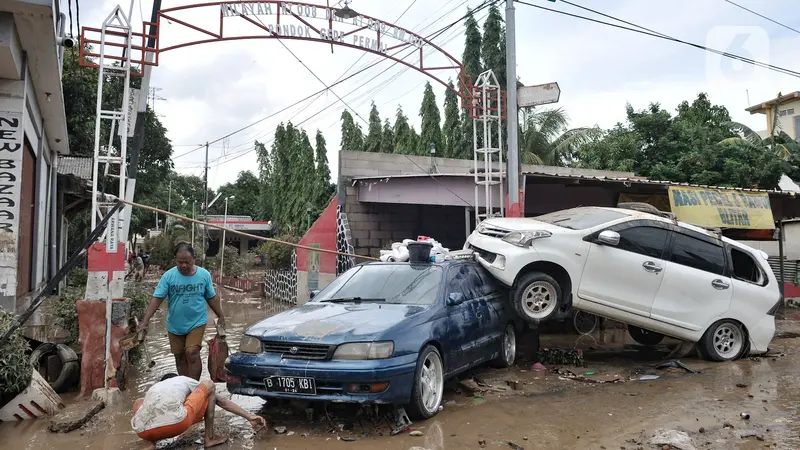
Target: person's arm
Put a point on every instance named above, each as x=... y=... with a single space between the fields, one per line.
x=213 y=301
x=228 y=405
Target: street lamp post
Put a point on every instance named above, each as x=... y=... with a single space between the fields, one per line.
x=222 y=242
x=194 y=204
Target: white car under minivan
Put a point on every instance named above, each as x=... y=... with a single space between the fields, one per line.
x=660 y=276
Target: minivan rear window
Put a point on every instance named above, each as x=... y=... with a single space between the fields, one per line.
x=697 y=254
x=581 y=218
x=744 y=267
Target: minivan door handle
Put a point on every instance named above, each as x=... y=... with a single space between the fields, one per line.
x=720 y=285
x=650 y=266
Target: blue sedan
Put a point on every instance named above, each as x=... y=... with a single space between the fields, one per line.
x=388 y=333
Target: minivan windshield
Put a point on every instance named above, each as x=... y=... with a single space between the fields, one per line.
x=385 y=283
x=581 y=218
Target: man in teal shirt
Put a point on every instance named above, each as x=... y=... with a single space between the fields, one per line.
x=188 y=289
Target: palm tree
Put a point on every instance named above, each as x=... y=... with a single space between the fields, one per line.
x=545 y=138
x=781 y=144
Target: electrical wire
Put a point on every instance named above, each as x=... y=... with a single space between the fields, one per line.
x=763 y=16
x=648 y=32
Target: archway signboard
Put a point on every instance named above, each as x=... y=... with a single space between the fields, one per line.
x=224 y=21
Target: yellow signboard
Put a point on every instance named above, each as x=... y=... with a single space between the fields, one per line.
x=721 y=208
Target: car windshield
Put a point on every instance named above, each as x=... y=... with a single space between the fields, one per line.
x=580 y=218
x=385 y=283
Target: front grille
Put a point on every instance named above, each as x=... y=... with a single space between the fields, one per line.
x=488 y=256
x=493 y=231
x=297 y=350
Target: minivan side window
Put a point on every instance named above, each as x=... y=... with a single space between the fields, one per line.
x=698 y=254
x=464 y=278
x=647 y=241
x=744 y=267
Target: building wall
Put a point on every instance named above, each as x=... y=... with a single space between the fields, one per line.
x=789 y=118
x=791 y=243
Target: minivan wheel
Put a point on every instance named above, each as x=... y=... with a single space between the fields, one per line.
x=428 y=388
x=508 y=349
x=537 y=297
x=723 y=341
x=645 y=337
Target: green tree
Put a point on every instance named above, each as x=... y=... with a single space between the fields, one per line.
x=245 y=193
x=265 y=194
x=493 y=49
x=281 y=172
x=387 y=138
x=545 y=138
x=402 y=134
x=471 y=58
x=374 y=131
x=352 y=136
x=324 y=188
x=431 y=129
x=451 y=131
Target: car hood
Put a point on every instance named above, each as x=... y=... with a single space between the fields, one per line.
x=334 y=323
x=523 y=224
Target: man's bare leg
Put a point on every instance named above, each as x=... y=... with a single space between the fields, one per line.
x=194 y=363
x=182 y=365
x=210 y=439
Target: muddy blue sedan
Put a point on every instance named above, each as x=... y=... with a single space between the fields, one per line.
x=384 y=333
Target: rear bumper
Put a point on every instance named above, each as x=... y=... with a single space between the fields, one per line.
x=761 y=335
x=332 y=378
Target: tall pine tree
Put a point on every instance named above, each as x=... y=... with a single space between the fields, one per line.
x=352 y=137
x=265 y=180
x=472 y=67
x=374 y=131
x=305 y=190
x=387 y=140
x=451 y=131
x=493 y=48
x=281 y=171
x=402 y=133
x=324 y=188
x=430 y=127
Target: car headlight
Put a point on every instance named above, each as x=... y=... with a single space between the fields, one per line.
x=364 y=350
x=524 y=238
x=250 y=344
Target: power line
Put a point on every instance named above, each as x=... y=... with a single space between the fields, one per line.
x=648 y=32
x=763 y=16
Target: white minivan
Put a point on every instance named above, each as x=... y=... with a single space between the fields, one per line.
x=660 y=276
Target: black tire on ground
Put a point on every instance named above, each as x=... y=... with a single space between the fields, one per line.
x=70 y=364
x=416 y=408
x=724 y=340
x=508 y=350
x=645 y=337
x=537 y=297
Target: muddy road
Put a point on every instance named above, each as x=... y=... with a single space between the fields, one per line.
x=611 y=404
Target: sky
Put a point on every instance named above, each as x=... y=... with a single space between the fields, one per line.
x=210 y=90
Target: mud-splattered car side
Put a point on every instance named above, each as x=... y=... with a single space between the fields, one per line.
x=380 y=333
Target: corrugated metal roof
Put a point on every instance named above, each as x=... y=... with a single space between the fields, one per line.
x=77 y=166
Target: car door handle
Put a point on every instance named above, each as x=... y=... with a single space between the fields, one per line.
x=652 y=267
x=720 y=285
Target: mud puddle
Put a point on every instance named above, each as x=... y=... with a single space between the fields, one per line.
x=533 y=409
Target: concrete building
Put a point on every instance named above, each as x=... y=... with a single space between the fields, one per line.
x=33 y=133
x=787 y=108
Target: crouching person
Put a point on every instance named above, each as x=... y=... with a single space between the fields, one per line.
x=175 y=403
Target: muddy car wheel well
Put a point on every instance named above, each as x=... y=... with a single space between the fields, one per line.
x=554 y=270
x=438 y=348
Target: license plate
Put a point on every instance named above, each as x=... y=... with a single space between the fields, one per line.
x=291 y=385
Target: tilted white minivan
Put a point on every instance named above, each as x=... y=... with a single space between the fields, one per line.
x=660 y=276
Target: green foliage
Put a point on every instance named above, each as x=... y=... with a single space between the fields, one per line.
x=374 y=131
x=561 y=356
x=352 y=136
x=277 y=256
x=324 y=189
x=493 y=46
x=77 y=277
x=245 y=193
x=451 y=131
x=431 y=130
x=403 y=143
x=471 y=58
x=162 y=247
x=387 y=138
x=15 y=367
x=64 y=312
x=545 y=138
x=265 y=192
x=236 y=265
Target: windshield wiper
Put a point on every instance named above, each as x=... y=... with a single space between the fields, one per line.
x=352 y=299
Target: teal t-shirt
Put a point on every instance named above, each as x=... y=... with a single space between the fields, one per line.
x=187 y=296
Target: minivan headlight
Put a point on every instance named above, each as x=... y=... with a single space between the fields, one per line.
x=364 y=350
x=250 y=344
x=524 y=238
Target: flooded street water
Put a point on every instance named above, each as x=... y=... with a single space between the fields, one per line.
x=532 y=409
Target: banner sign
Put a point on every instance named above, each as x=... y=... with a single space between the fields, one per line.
x=721 y=208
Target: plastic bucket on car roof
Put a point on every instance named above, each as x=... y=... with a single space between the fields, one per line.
x=419 y=252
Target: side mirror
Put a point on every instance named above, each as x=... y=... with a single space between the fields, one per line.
x=608 y=237
x=314 y=293
x=455 y=298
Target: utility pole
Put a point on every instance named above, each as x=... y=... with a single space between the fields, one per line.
x=512 y=121
x=169 y=197
x=194 y=203
x=205 y=207
x=154 y=97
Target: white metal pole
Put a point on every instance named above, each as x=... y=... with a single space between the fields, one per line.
x=222 y=243
x=512 y=120
x=194 y=203
x=169 y=197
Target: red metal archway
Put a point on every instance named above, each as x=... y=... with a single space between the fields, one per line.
x=292 y=21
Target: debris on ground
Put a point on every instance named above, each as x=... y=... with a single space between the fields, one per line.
x=538 y=367
x=515 y=446
x=74 y=416
x=561 y=356
x=675 y=364
x=564 y=374
x=280 y=430
x=673 y=438
x=416 y=433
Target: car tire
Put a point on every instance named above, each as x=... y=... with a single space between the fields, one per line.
x=537 y=297
x=428 y=388
x=645 y=337
x=508 y=349
x=724 y=340
x=584 y=322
